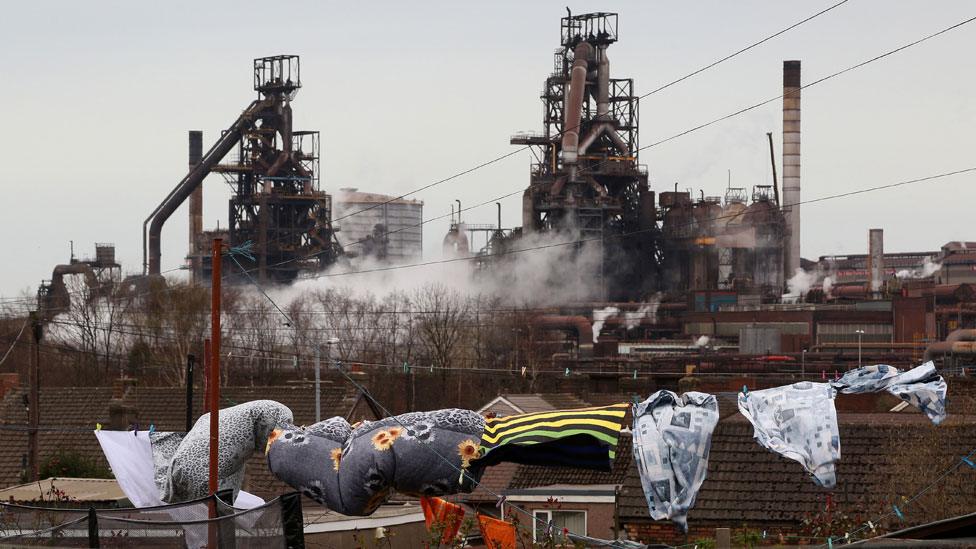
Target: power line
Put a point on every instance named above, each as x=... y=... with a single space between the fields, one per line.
x=743 y=50
x=733 y=114
x=657 y=143
x=631 y=233
x=527 y=147
x=14 y=343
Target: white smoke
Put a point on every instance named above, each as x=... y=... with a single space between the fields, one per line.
x=927 y=269
x=632 y=319
x=800 y=283
x=828 y=283
x=600 y=316
x=539 y=269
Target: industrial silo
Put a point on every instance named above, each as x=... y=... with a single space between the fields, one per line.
x=380 y=226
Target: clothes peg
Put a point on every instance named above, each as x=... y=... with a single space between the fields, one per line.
x=566 y=373
x=830 y=543
x=431 y=368
x=152 y=428
x=745 y=390
x=501 y=502
x=823 y=374
x=635 y=374
x=969 y=462
x=523 y=371
x=871 y=526
x=898 y=511
x=98 y=427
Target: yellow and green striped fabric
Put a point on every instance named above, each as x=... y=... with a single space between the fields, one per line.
x=585 y=437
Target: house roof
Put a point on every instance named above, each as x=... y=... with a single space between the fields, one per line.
x=528 y=403
x=884 y=457
x=77 y=489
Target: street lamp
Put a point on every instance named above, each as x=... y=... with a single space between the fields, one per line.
x=859 y=334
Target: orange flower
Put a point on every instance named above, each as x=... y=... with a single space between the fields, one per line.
x=336 y=458
x=383 y=440
x=271 y=438
x=468 y=451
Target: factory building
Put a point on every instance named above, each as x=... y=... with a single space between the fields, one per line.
x=376 y=225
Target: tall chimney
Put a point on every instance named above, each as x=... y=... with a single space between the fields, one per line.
x=791 y=164
x=875 y=262
x=196 y=200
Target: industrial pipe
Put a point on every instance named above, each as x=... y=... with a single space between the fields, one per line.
x=185 y=188
x=959 y=342
x=574 y=106
x=582 y=326
x=603 y=84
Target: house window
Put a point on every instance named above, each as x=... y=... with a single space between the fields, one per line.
x=574 y=521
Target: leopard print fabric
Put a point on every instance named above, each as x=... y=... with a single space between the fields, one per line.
x=181 y=463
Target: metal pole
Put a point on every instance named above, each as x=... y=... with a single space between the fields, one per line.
x=206 y=376
x=34 y=409
x=859 y=334
x=772 y=160
x=190 y=359
x=214 y=380
x=318 y=379
x=803 y=364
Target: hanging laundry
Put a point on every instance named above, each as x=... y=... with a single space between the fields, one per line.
x=585 y=438
x=497 y=534
x=799 y=422
x=672 y=437
x=921 y=386
x=354 y=471
x=180 y=462
x=443 y=516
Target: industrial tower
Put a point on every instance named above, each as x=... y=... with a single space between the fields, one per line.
x=277 y=205
x=586 y=182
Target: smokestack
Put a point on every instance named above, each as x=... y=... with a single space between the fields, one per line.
x=875 y=261
x=196 y=198
x=791 y=164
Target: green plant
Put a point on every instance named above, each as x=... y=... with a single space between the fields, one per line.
x=704 y=543
x=68 y=463
x=747 y=537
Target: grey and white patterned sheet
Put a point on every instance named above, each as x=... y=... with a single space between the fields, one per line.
x=797 y=421
x=672 y=437
x=921 y=386
x=181 y=462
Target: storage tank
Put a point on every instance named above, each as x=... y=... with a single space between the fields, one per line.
x=383 y=226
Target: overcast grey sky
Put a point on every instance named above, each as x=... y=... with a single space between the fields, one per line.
x=97 y=98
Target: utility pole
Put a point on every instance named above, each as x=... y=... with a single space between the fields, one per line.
x=34 y=405
x=214 y=387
